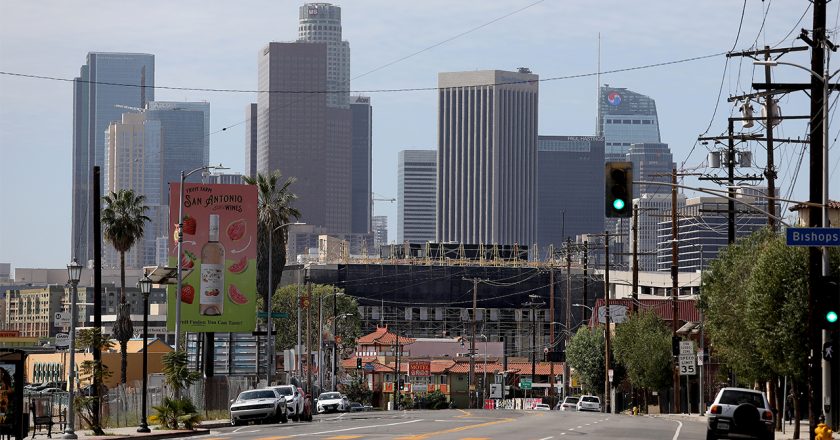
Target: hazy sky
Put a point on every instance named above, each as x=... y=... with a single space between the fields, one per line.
x=214 y=44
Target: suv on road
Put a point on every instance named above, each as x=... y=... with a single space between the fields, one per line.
x=589 y=403
x=294 y=400
x=740 y=413
x=568 y=404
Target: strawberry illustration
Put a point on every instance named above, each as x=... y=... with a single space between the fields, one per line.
x=187 y=294
x=189 y=225
x=187 y=260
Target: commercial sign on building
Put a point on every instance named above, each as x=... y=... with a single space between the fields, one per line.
x=218 y=257
x=420 y=368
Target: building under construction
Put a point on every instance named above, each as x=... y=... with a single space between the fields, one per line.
x=431 y=297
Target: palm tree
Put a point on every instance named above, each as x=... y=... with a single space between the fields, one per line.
x=275 y=208
x=123 y=219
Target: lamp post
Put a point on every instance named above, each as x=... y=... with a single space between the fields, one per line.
x=180 y=231
x=484 y=381
x=269 y=338
x=145 y=285
x=74 y=273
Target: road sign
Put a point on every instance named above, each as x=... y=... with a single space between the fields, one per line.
x=813 y=236
x=618 y=314
x=496 y=390
x=828 y=351
x=611 y=375
x=686 y=348
x=525 y=383
x=62 y=340
x=368 y=367
x=62 y=319
x=262 y=314
x=687 y=367
x=700 y=357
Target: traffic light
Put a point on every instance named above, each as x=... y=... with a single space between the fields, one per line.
x=828 y=303
x=675 y=345
x=358 y=363
x=619 y=189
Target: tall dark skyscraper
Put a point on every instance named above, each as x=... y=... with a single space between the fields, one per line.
x=361 y=155
x=95 y=101
x=321 y=23
x=625 y=118
x=570 y=189
x=301 y=136
x=487 y=157
x=251 y=140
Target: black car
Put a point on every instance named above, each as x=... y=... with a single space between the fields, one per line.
x=356 y=407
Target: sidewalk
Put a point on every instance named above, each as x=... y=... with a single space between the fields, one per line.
x=788 y=434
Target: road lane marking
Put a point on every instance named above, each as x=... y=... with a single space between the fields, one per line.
x=237 y=430
x=356 y=428
x=579 y=426
x=272 y=438
x=547 y=438
x=465 y=413
x=679 y=427
x=453 y=430
x=343 y=437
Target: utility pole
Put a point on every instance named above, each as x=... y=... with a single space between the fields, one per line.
x=585 y=276
x=607 y=322
x=551 y=325
x=566 y=372
x=308 y=339
x=770 y=171
x=730 y=163
x=702 y=406
x=675 y=292
x=335 y=341
x=320 y=337
x=472 y=386
x=635 y=291
x=815 y=219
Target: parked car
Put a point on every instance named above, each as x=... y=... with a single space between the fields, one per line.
x=741 y=413
x=294 y=400
x=568 y=404
x=542 y=407
x=258 y=405
x=356 y=407
x=331 y=402
x=589 y=403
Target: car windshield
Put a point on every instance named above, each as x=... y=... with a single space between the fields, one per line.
x=284 y=391
x=735 y=397
x=259 y=394
x=328 y=396
x=571 y=400
x=590 y=399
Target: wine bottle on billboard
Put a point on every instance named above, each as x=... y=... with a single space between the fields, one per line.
x=212 y=300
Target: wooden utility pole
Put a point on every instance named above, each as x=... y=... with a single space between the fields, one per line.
x=551 y=327
x=566 y=372
x=308 y=339
x=770 y=171
x=473 y=386
x=585 y=276
x=635 y=291
x=675 y=288
x=607 y=323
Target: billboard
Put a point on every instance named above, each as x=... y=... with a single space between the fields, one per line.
x=218 y=257
x=419 y=368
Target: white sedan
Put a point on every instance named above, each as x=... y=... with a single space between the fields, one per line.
x=331 y=402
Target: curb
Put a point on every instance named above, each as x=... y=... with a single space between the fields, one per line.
x=214 y=424
x=163 y=435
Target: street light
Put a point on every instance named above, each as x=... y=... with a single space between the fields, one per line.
x=74 y=274
x=269 y=337
x=145 y=285
x=180 y=231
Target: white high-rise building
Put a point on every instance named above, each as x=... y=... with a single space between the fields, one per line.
x=321 y=23
x=653 y=208
x=487 y=157
x=416 y=192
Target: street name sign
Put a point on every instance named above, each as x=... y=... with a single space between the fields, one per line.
x=813 y=236
x=525 y=383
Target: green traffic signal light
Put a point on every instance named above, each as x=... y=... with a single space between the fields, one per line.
x=831 y=317
x=618 y=204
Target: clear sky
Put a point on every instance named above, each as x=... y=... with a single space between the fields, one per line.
x=214 y=44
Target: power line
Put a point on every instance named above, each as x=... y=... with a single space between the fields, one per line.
x=394 y=90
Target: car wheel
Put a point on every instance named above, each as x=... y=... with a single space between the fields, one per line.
x=294 y=418
x=284 y=418
x=710 y=435
x=234 y=422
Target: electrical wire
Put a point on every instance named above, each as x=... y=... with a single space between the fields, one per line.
x=795 y=26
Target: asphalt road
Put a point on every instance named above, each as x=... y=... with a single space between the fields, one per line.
x=472 y=425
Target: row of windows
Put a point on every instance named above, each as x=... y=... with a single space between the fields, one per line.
x=629 y=121
x=319 y=28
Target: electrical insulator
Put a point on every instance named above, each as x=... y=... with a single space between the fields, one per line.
x=747 y=114
x=772 y=110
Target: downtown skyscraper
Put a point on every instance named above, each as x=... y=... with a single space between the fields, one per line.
x=321 y=23
x=625 y=118
x=487 y=157
x=105 y=81
x=361 y=164
x=416 y=192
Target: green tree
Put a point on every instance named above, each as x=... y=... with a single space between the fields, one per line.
x=123 y=220
x=585 y=354
x=724 y=301
x=643 y=345
x=177 y=374
x=286 y=300
x=92 y=372
x=274 y=209
x=358 y=391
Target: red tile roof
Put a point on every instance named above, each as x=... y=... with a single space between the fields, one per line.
x=383 y=337
x=686 y=308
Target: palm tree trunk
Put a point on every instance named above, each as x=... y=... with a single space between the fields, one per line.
x=123 y=309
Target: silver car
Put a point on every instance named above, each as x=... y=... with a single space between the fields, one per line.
x=263 y=405
x=589 y=403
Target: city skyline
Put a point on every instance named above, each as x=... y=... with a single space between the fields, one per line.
x=521 y=39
